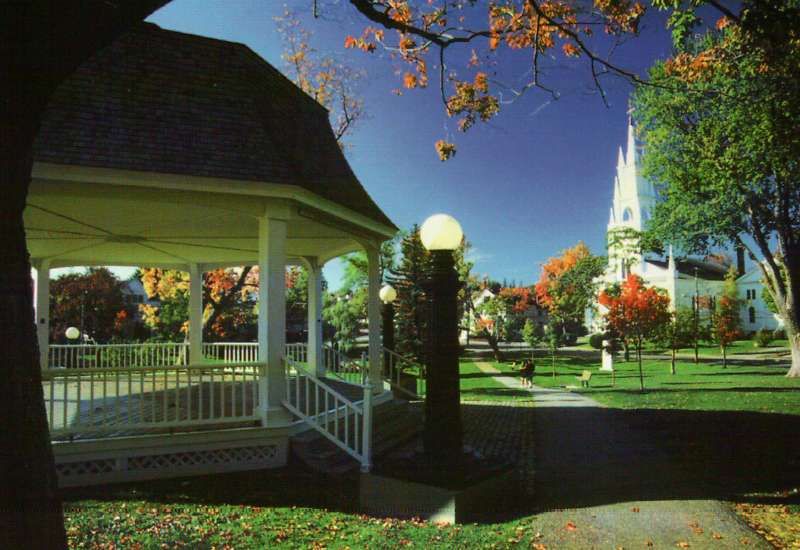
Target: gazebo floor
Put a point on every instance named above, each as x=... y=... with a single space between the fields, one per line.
x=223 y=404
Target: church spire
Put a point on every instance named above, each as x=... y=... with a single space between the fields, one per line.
x=620 y=158
x=631 y=149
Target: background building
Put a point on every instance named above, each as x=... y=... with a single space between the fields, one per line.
x=686 y=280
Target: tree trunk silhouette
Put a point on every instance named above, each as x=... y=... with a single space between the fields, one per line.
x=41 y=43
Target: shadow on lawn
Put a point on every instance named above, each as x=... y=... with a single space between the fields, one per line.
x=590 y=456
x=493 y=392
x=584 y=456
x=293 y=485
x=780 y=370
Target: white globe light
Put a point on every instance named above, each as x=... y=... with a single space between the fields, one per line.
x=387 y=294
x=73 y=333
x=441 y=232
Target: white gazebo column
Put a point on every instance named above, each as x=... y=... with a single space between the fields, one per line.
x=374 y=319
x=195 y=313
x=272 y=318
x=316 y=359
x=43 y=311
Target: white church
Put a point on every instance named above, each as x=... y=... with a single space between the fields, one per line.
x=685 y=279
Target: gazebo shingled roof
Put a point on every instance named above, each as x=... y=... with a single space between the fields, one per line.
x=162 y=101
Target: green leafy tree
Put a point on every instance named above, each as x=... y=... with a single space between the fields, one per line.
x=554 y=337
x=346 y=309
x=345 y=313
x=566 y=286
x=720 y=126
x=532 y=333
x=678 y=332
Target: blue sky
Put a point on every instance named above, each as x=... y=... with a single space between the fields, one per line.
x=534 y=181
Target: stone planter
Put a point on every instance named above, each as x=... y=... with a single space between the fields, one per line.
x=386 y=496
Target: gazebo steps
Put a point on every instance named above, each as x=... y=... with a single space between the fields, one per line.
x=394 y=423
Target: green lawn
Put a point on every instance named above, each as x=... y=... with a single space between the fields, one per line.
x=291 y=508
x=263 y=509
x=705 y=386
x=476 y=385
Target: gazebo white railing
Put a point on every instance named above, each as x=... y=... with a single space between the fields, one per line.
x=231 y=351
x=159 y=354
x=118 y=355
x=345 y=423
x=119 y=401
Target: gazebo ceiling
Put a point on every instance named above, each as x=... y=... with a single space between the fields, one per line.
x=93 y=224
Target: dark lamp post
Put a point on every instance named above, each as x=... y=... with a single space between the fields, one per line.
x=441 y=234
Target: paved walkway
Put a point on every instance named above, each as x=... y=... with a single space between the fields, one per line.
x=606 y=478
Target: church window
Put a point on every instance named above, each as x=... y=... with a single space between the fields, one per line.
x=645 y=215
x=627 y=215
x=751 y=313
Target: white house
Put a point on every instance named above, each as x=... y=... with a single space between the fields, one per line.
x=535 y=313
x=134 y=294
x=684 y=279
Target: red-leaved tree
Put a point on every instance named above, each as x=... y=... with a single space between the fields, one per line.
x=725 y=323
x=636 y=313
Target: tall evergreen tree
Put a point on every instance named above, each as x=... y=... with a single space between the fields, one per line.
x=407 y=278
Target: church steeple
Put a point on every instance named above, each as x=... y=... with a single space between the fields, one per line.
x=631 y=146
x=634 y=196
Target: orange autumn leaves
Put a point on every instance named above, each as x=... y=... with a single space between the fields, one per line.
x=636 y=311
x=554 y=269
x=540 y=26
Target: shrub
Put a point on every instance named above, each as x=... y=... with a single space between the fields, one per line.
x=596 y=340
x=762 y=338
x=779 y=334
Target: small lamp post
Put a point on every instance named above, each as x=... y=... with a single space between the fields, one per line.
x=388 y=295
x=441 y=235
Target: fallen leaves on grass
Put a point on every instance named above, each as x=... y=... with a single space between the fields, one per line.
x=695 y=527
x=570 y=526
x=778 y=523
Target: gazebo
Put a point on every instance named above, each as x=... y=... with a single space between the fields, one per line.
x=179 y=151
